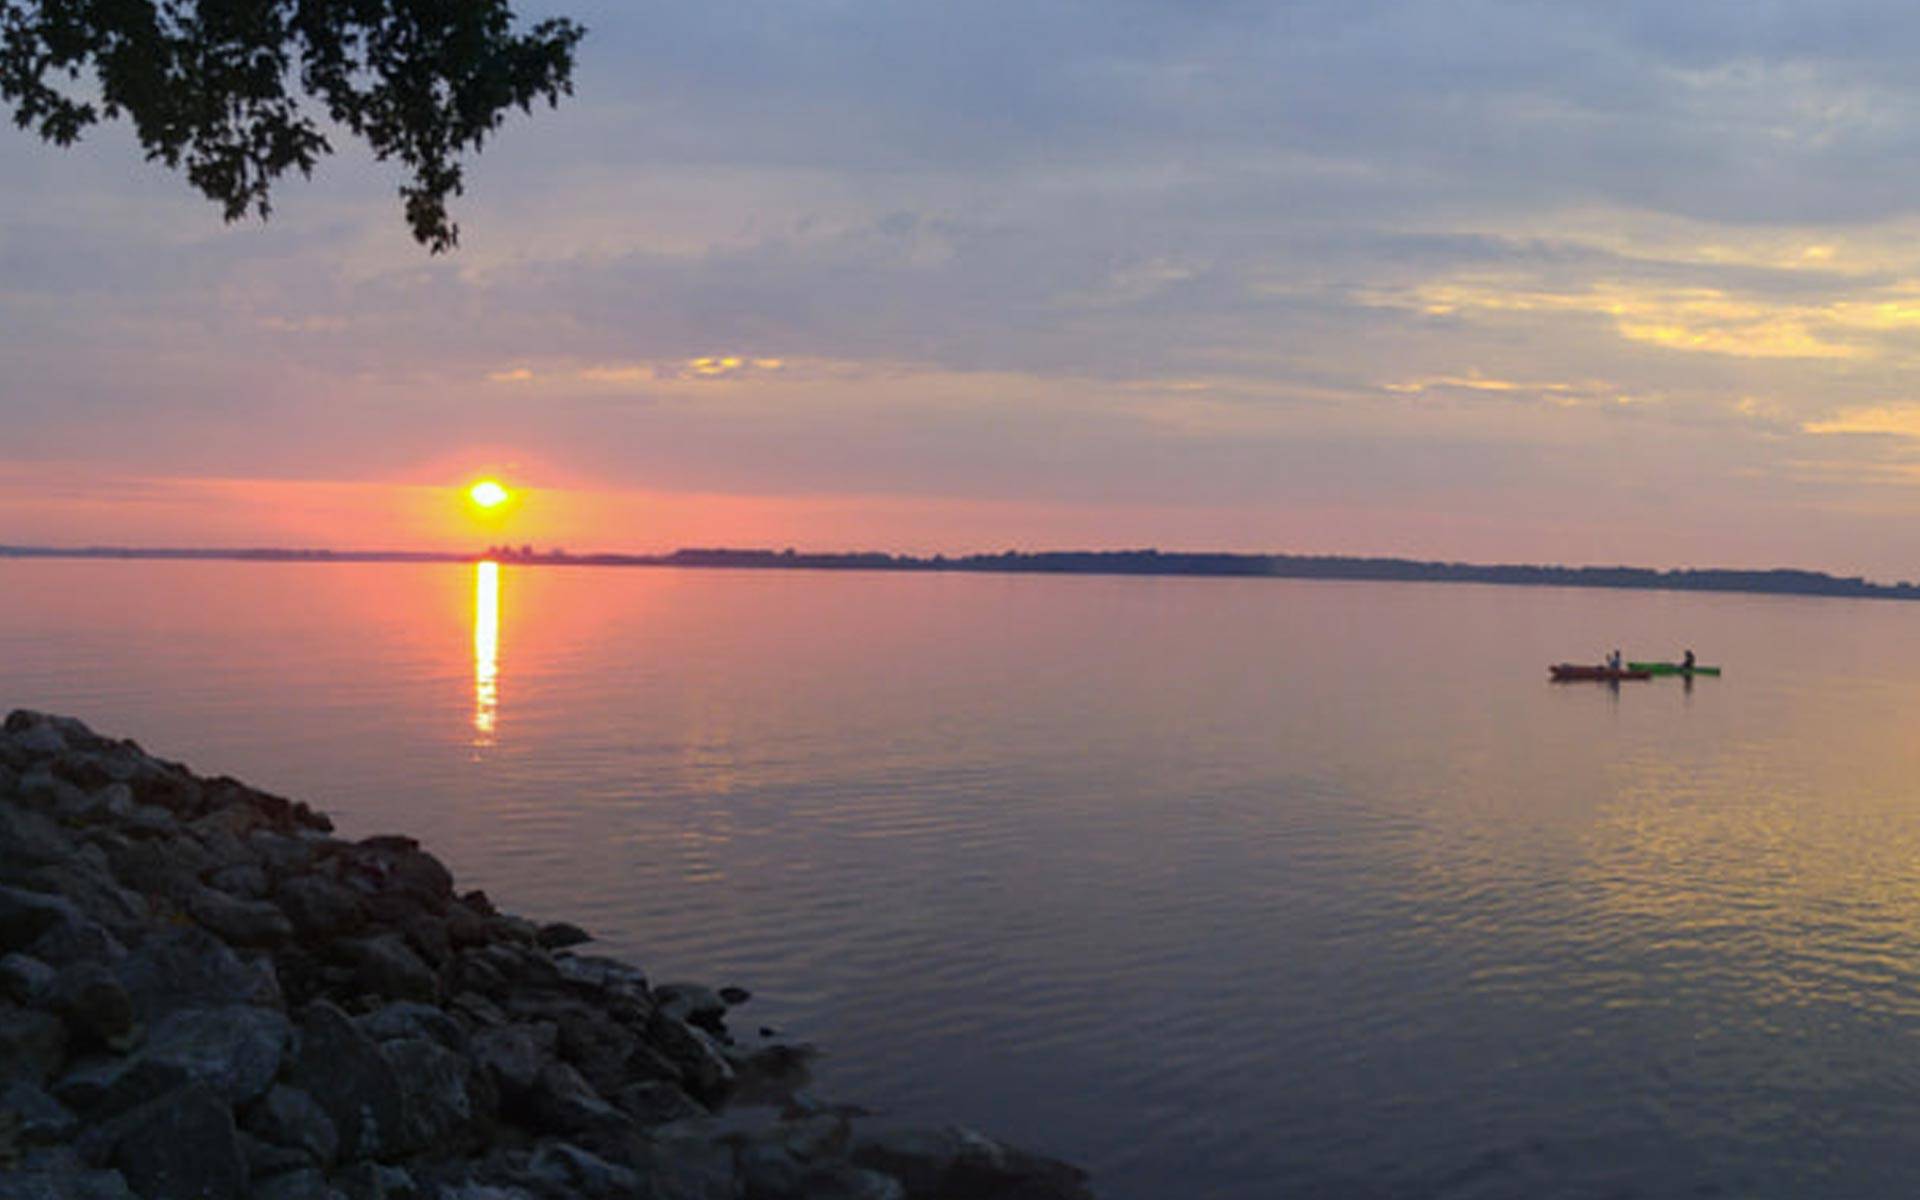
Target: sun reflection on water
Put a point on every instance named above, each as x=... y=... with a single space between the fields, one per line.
x=486 y=651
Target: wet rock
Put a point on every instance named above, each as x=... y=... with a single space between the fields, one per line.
x=345 y=1073
x=734 y=997
x=600 y=1049
x=558 y=935
x=239 y=922
x=32 y=1044
x=181 y=1145
x=287 y=1116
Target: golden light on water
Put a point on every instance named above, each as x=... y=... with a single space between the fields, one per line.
x=488 y=493
x=486 y=651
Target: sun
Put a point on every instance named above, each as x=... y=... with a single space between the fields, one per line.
x=488 y=494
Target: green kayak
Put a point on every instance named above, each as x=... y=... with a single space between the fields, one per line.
x=1669 y=668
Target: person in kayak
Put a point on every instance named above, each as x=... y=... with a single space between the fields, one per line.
x=1613 y=661
x=1686 y=662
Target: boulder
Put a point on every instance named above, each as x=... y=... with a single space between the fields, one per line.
x=384 y=966
x=558 y=935
x=959 y=1163
x=407 y=1019
x=562 y=1101
x=24 y=979
x=96 y=1007
x=235 y=1050
x=433 y=1085
x=577 y=1172
x=656 y=1102
x=306 y=1184
x=287 y=1116
x=187 y=967
x=33 y=1044
x=238 y=921
x=38 y=1117
x=676 y=1167
x=320 y=908
x=345 y=1073
x=182 y=1144
x=703 y=1070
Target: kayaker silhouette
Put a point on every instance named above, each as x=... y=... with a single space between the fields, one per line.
x=1686 y=663
x=1613 y=661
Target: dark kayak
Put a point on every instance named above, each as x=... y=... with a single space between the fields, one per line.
x=1671 y=668
x=1569 y=672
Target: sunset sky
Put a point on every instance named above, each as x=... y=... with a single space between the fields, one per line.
x=1592 y=281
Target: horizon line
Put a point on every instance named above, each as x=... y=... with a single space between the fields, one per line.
x=1141 y=561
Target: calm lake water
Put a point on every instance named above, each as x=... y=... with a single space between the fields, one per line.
x=1222 y=888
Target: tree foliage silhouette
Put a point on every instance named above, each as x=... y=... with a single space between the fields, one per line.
x=234 y=92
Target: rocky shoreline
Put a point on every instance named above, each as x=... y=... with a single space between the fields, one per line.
x=204 y=993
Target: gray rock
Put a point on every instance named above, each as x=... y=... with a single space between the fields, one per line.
x=386 y=967
x=769 y=1170
x=320 y=908
x=691 y=1002
x=433 y=1083
x=703 y=1070
x=25 y=916
x=187 y=967
x=235 y=1050
x=562 y=1101
x=180 y=1145
x=28 y=838
x=374 y=1181
x=843 y=1182
x=958 y=1162
x=38 y=738
x=306 y=1184
x=32 y=1044
x=65 y=1180
x=26 y=980
x=95 y=1004
x=656 y=1102
x=287 y=1116
x=343 y=1070
x=581 y=1173
x=686 y=1168
x=513 y=1055
x=39 y=1118
x=246 y=880
x=265 y=1159
x=558 y=935
x=407 y=1019
x=237 y=921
